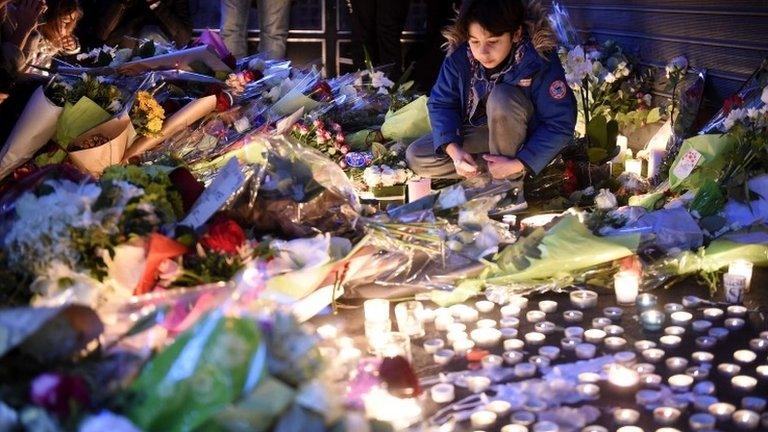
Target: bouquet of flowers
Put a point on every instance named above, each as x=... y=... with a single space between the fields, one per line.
x=147 y=115
x=328 y=138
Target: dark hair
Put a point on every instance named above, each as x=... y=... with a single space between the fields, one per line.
x=495 y=16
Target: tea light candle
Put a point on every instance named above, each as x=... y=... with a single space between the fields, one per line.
x=601 y=322
x=548 y=306
x=744 y=356
x=702 y=357
x=613 y=312
x=514 y=427
x=701 y=421
x=625 y=416
x=627 y=358
x=681 y=318
x=643 y=345
x=550 y=352
x=525 y=370
x=762 y=371
x=519 y=301
x=510 y=311
x=743 y=268
x=376 y=310
x=676 y=364
x=455 y=336
x=540 y=361
x=523 y=418
x=456 y=327
x=545 y=327
x=721 y=410
x=589 y=377
x=486 y=323
x=513 y=344
x=653 y=355
x=673 y=307
x=509 y=322
x=758 y=344
x=652 y=320
x=735 y=323
x=704 y=388
x=754 y=403
x=675 y=330
x=615 y=343
x=534 y=338
x=645 y=368
x=648 y=397
x=719 y=333
x=512 y=357
x=666 y=415
x=442 y=322
x=431 y=346
x=482 y=418
x=498 y=406
x=613 y=330
x=744 y=383
x=633 y=166
x=670 y=341
x=680 y=382
x=478 y=383
x=594 y=336
x=462 y=346
x=701 y=326
x=427 y=315
x=630 y=429
x=535 y=316
x=491 y=361
x=583 y=299
x=569 y=344
x=484 y=306
x=468 y=314
x=705 y=341
x=702 y=402
x=442 y=393
x=746 y=419
x=585 y=351
x=626 y=285
x=574 y=332
x=508 y=332
x=646 y=301
x=651 y=380
x=588 y=391
x=622 y=376
x=443 y=356
x=713 y=314
x=737 y=311
x=573 y=316
x=699 y=372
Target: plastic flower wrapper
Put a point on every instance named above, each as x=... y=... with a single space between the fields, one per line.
x=407 y=123
x=297 y=93
x=700 y=158
x=561 y=23
x=665 y=229
x=748 y=96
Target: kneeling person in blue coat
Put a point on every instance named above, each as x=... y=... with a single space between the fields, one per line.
x=501 y=99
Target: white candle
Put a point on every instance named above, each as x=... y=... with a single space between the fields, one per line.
x=548 y=306
x=721 y=410
x=615 y=343
x=509 y=322
x=613 y=330
x=500 y=407
x=432 y=345
x=681 y=318
x=594 y=336
x=456 y=327
x=626 y=285
x=737 y=311
x=491 y=361
x=655 y=159
x=734 y=323
x=572 y=316
x=680 y=382
x=670 y=341
x=376 y=310
x=643 y=345
x=442 y=392
x=419 y=188
x=583 y=299
x=744 y=356
x=513 y=344
x=651 y=380
x=512 y=357
x=625 y=416
x=550 y=352
x=713 y=313
x=442 y=322
x=486 y=323
x=510 y=311
x=478 y=383
x=702 y=357
x=534 y=338
x=653 y=355
x=545 y=327
x=514 y=427
x=634 y=166
x=622 y=376
x=675 y=330
x=535 y=316
x=508 y=332
x=746 y=419
x=462 y=346
x=484 y=306
x=676 y=364
x=623 y=143
x=742 y=267
x=486 y=337
x=456 y=335
x=666 y=415
x=585 y=351
x=482 y=419
x=758 y=344
x=443 y=356
x=588 y=391
x=744 y=382
x=601 y=322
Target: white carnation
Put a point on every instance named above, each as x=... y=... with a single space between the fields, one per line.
x=378 y=80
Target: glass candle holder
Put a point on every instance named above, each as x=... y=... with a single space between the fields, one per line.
x=626 y=285
x=408 y=315
x=432 y=345
x=583 y=299
x=652 y=320
x=681 y=318
x=573 y=316
x=376 y=310
x=734 y=286
x=646 y=301
x=666 y=415
x=743 y=268
x=395 y=344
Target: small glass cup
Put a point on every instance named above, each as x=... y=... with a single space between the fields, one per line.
x=408 y=318
x=395 y=344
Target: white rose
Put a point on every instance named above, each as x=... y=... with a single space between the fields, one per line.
x=610 y=78
x=605 y=200
x=378 y=80
x=764 y=96
x=372 y=176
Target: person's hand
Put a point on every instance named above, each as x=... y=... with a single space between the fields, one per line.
x=463 y=162
x=68 y=43
x=27 y=14
x=502 y=167
x=3 y=97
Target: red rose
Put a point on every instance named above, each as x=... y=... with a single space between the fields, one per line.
x=58 y=393
x=732 y=102
x=224 y=235
x=224 y=101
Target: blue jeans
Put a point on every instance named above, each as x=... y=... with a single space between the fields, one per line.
x=274 y=22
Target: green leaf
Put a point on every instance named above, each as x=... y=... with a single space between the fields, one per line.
x=378 y=150
x=654 y=115
x=602 y=133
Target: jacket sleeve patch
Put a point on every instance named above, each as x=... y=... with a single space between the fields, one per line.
x=558 y=90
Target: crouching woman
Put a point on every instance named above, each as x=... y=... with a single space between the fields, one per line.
x=501 y=102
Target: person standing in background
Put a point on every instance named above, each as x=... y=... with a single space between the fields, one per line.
x=274 y=24
x=430 y=57
x=377 y=26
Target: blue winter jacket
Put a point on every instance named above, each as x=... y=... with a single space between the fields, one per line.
x=542 y=79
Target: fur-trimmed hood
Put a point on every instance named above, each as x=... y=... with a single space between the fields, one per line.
x=537 y=28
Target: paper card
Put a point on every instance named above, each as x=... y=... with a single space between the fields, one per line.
x=228 y=181
x=686 y=165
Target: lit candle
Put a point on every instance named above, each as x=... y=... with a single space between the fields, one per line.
x=478 y=383
x=742 y=267
x=615 y=343
x=443 y=393
x=588 y=391
x=626 y=285
x=534 y=338
x=510 y=311
x=681 y=318
x=627 y=358
x=594 y=336
x=622 y=376
x=514 y=427
x=652 y=320
x=673 y=307
x=545 y=327
x=376 y=310
x=491 y=361
x=482 y=418
x=646 y=301
x=486 y=337
x=702 y=357
x=705 y=341
x=512 y=357
x=509 y=322
x=722 y=410
x=454 y=336
x=744 y=383
x=762 y=371
x=758 y=344
x=600 y=322
x=734 y=285
x=613 y=312
x=583 y=299
x=548 y=306
x=535 y=316
x=484 y=306
x=666 y=415
x=634 y=166
x=744 y=356
x=643 y=345
x=432 y=345
x=680 y=382
x=613 y=330
x=651 y=380
x=676 y=364
x=734 y=323
x=675 y=330
x=569 y=343
x=737 y=311
x=498 y=406
x=589 y=377
x=573 y=316
x=540 y=361
x=456 y=327
x=442 y=322
x=670 y=341
x=630 y=429
x=713 y=314
x=746 y=419
x=443 y=356
x=513 y=344
x=625 y=416
x=653 y=355
x=486 y=323
x=645 y=368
